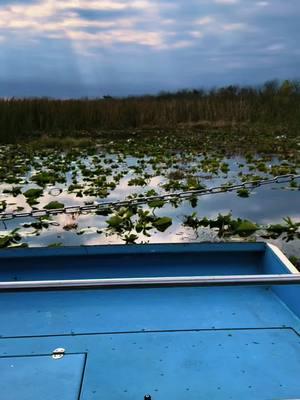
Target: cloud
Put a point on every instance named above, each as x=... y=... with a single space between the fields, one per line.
x=226 y=2
x=84 y=21
x=275 y=47
x=152 y=39
x=196 y=34
x=236 y=26
x=207 y=20
x=146 y=45
x=181 y=44
x=91 y=5
x=262 y=3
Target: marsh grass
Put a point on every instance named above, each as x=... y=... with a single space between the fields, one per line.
x=275 y=105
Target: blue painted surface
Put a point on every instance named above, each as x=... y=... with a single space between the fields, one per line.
x=180 y=343
x=226 y=364
x=131 y=261
x=122 y=310
x=289 y=295
x=41 y=377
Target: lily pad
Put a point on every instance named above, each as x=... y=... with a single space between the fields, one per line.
x=33 y=193
x=162 y=224
x=54 y=205
x=243 y=193
x=156 y=203
x=246 y=228
x=11 y=238
x=115 y=221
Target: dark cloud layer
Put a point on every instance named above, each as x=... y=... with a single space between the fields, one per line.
x=93 y=47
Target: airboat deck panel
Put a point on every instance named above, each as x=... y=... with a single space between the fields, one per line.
x=196 y=341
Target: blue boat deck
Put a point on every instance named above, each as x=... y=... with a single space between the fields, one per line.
x=181 y=343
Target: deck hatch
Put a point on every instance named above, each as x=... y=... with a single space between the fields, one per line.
x=41 y=377
x=260 y=364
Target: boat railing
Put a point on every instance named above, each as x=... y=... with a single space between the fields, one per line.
x=153 y=282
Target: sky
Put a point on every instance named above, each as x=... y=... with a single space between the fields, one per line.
x=78 y=48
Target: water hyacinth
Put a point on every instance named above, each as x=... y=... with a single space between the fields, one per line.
x=52 y=176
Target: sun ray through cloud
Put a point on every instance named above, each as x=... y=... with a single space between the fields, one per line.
x=146 y=44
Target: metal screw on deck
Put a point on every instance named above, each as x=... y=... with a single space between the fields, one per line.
x=58 y=353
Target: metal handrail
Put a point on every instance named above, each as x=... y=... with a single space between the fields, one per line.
x=152 y=282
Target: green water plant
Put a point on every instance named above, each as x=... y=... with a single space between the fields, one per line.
x=243 y=193
x=14 y=191
x=3 y=205
x=54 y=205
x=32 y=195
x=12 y=238
x=289 y=230
x=44 y=178
x=225 y=225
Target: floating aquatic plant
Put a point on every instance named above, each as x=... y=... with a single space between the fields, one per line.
x=32 y=195
x=177 y=159
x=243 y=192
x=14 y=191
x=54 y=205
x=224 y=224
x=290 y=230
x=12 y=238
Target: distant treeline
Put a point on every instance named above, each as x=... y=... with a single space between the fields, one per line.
x=274 y=104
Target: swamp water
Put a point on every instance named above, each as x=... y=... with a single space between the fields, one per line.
x=88 y=176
